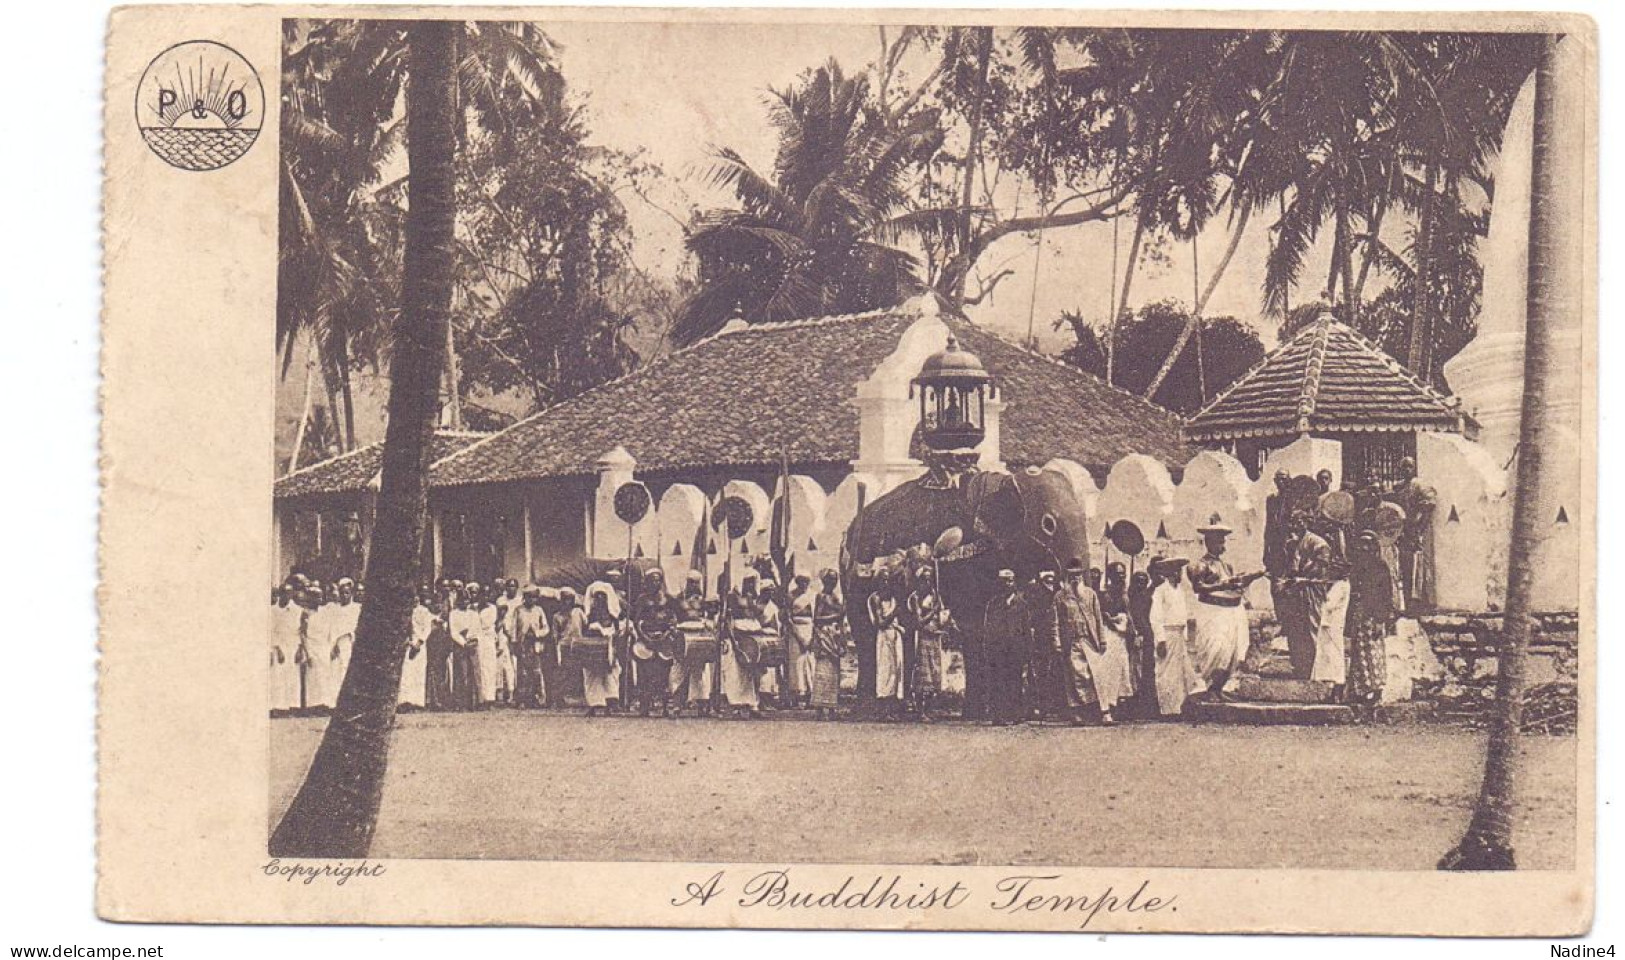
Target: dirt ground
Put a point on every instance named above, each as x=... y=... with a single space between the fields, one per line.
x=555 y=786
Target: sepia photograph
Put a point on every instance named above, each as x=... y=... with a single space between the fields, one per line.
x=747 y=440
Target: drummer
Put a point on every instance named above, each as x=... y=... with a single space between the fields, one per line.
x=769 y=615
x=691 y=680
x=600 y=678
x=653 y=622
x=738 y=679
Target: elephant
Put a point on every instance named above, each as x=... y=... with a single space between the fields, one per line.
x=1025 y=521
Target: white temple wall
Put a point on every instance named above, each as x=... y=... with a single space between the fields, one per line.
x=681 y=511
x=1471 y=523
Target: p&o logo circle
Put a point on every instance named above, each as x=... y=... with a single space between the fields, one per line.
x=200 y=105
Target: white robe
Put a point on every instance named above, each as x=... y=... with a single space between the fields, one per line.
x=493 y=668
x=344 y=619
x=283 y=679
x=738 y=677
x=601 y=683
x=1170 y=632
x=415 y=668
x=767 y=678
x=1222 y=639
x=1111 y=669
x=798 y=649
x=1331 y=660
x=322 y=671
x=888 y=652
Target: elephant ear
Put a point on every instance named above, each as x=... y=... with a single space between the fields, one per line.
x=1000 y=515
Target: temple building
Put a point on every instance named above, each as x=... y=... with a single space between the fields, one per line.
x=1328 y=382
x=827 y=401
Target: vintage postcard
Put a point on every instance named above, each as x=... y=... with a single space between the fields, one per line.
x=904 y=469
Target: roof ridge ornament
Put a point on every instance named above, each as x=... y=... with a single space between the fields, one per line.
x=1312 y=370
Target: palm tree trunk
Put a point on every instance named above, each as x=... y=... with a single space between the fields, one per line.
x=1553 y=289
x=330 y=385
x=1370 y=248
x=346 y=394
x=1345 y=266
x=336 y=810
x=1122 y=301
x=454 y=376
x=1416 y=355
x=1193 y=326
x=304 y=413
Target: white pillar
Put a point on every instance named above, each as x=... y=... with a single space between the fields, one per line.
x=438 y=542
x=990 y=449
x=530 y=549
x=609 y=533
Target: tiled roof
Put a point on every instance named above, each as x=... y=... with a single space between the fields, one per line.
x=1057 y=410
x=1326 y=379
x=354 y=471
x=750 y=394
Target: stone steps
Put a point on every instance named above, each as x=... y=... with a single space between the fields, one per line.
x=1255 y=713
x=1282 y=690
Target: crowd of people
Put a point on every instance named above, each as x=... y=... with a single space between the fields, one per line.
x=1077 y=645
x=612 y=648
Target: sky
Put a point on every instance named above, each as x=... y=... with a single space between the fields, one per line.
x=677 y=91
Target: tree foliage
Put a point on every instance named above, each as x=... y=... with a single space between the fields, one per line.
x=814 y=237
x=1228 y=349
x=541 y=234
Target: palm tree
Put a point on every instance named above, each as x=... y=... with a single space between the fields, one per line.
x=815 y=237
x=336 y=809
x=339 y=229
x=1555 y=226
x=341 y=223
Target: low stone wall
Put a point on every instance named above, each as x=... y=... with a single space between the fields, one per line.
x=1467 y=647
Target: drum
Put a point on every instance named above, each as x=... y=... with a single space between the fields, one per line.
x=1338 y=506
x=586 y=651
x=761 y=648
x=696 y=641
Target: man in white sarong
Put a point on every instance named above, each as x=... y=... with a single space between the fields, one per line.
x=317 y=655
x=1310 y=578
x=494 y=659
x=1175 y=677
x=345 y=617
x=798 y=641
x=1112 y=666
x=284 y=654
x=739 y=677
x=691 y=680
x=770 y=617
x=415 y=662
x=884 y=613
x=1222 y=637
x=601 y=678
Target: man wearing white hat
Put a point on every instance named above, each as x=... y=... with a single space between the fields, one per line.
x=529 y=631
x=1222 y=639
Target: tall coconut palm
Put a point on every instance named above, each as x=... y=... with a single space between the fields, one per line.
x=816 y=237
x=1555 y=225
x=336 y=809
